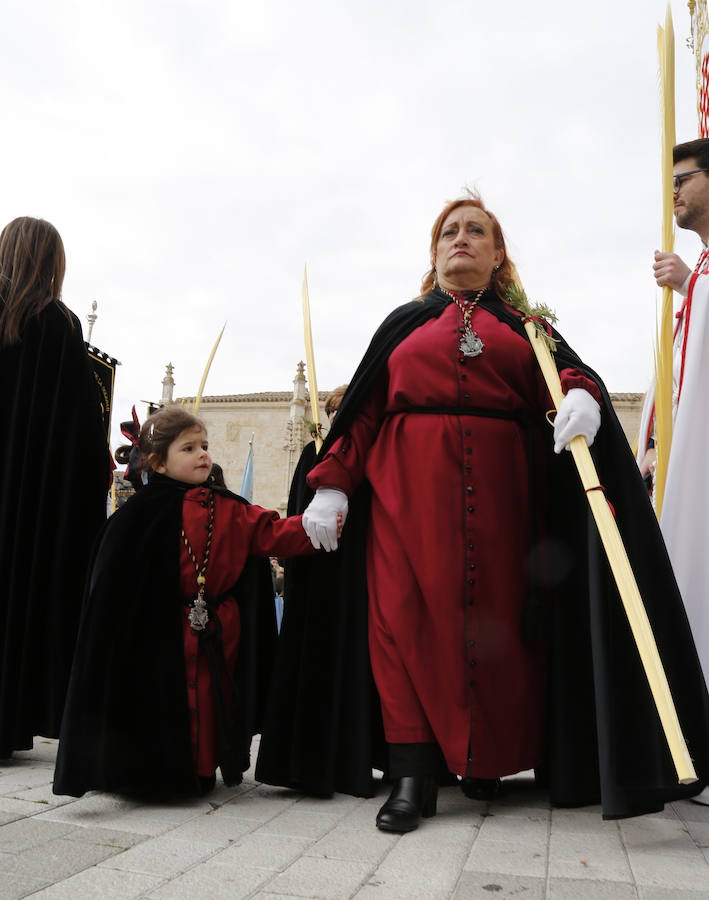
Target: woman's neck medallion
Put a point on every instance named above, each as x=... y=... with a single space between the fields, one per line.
x=470 y=344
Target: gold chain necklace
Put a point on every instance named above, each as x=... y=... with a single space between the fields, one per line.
x=199 y=615
x=470 y=343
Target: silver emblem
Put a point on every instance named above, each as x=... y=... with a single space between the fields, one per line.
x=470 y=343
x=199 y=615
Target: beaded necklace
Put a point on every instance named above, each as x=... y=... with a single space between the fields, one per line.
x=199 y=615
x=470 y=343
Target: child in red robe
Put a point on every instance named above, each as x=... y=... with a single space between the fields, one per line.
x=177 y=630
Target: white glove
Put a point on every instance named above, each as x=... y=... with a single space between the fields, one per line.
x=320 y=518
x=578 y=414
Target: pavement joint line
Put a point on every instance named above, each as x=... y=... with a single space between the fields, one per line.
x=626 y=854
x=547 y=859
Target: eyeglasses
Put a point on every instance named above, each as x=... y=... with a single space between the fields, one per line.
x=678 y=179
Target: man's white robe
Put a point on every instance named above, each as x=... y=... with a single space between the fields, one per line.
x=685 y=508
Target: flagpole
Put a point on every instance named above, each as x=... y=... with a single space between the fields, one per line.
x=622 y=573
x=247 y=479
x=664 y=339
x=310 y=361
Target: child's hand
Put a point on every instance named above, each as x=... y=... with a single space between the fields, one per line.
x=339 y=525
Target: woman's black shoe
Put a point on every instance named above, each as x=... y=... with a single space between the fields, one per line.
x=412 y=797
x=481 y=788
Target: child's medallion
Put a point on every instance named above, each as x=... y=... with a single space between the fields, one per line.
x=199 y=615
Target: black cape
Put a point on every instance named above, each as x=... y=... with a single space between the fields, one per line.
x=605 y=743
x=54 y=480
x=126 y=726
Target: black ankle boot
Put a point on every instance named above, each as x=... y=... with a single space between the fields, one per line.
x=411 y=798
x=481 y=788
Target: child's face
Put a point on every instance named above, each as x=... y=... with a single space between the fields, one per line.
x=187 y=457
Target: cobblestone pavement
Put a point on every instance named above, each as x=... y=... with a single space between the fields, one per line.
x=263 y=842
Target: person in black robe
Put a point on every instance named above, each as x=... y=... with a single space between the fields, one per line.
x=603 y=736
x=54 y=479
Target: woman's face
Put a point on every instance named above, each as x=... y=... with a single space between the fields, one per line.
x=465 y=253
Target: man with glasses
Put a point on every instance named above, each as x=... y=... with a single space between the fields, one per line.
x=685 y=507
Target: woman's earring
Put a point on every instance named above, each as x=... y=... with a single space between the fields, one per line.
x=435 y=282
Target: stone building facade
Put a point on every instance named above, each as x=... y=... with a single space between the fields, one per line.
x=279 y=424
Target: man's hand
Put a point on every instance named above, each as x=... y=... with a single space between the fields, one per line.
x=648 y=461
x=669 y=270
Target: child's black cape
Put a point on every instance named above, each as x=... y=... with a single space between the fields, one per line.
x=126 y=725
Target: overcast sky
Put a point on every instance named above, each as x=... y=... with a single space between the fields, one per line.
x=194 y=155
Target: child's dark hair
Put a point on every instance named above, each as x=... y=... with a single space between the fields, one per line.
x=161 y=429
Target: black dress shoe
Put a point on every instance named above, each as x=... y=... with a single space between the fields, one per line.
x=412 y=798
x=481 y=788
x=206 y=783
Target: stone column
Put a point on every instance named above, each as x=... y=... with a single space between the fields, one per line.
x=295 y=429
x=168 y=385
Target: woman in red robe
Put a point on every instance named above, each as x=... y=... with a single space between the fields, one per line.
x=445 y=440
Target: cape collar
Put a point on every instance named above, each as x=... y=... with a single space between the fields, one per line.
x=164 y=481
x=438 y=294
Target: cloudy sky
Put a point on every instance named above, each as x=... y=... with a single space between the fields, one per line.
x=194 y=155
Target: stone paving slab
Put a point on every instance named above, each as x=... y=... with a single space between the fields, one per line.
x=425 y=863
x=56 y=860
x=354 y=844
x=215 y=829
x=95 y=883
x=261 y=850
x=15 y=887
x=217 y=882
x=474 y=885
x=255 y=841
x=8 y=817
x=570 y=889
x=163 y=857
x=25 y=833
x=319 y=877
x=22 y=777
x=594 y=856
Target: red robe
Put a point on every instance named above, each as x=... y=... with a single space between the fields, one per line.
x=449 y=542
x=239 y=531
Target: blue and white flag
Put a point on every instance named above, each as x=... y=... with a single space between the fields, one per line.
x=247 y=482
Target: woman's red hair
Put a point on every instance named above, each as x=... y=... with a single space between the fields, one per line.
x=503 y=277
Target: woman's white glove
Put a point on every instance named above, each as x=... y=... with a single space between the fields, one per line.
x=578 y=414
x=320 y=517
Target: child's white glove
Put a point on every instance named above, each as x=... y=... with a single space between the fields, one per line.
x=320 y=517
x=578 y=414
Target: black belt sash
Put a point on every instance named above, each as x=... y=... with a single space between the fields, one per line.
x=210 y=641
x=519 y=416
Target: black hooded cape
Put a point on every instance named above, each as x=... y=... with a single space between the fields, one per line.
x=54 y=480
x=126 y=725
x=604 y=739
